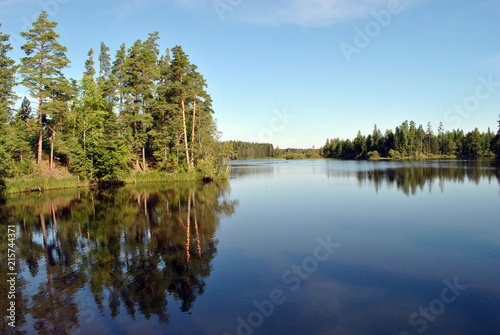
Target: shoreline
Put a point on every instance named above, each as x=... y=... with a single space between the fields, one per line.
x=41 y=184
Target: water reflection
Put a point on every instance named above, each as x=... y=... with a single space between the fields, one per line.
x=133 y=249
x=411 y=177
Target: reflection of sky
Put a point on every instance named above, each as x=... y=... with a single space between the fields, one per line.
x=395 y=252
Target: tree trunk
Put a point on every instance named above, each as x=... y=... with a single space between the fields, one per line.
x=192 y=134
x=51 y=165
x=166 y=160
x=144 y=158
x=40 y=131
x=188 y=164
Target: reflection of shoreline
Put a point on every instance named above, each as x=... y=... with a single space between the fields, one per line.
x=130 y=250
x=411 y=177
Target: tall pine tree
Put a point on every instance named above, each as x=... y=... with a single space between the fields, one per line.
x=7 y=97
x=42 y=67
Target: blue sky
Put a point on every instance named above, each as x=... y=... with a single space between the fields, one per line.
x=297 y=72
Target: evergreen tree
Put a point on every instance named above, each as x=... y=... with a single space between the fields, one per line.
x=105 y=79
x=8 y=71
x=89 y=64
x=180 y=91
x=41 y=69
x=104 y=61
x=201 y=103
x=496 y=142
x=119 y=77
x=58 y=112
x=162 y=107
x=23 y=126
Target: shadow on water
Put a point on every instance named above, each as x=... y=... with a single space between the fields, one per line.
x=132 y=250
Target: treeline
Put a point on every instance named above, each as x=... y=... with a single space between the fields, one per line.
x=141 y=110
x=250 y=150
x=410 y=141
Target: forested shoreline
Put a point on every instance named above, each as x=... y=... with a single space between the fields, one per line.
x=408 y=141
x=146 y=114
x=141 y=111
x=250 y=150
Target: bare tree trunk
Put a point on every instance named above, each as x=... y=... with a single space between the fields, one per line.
x=166 y=160
x=188 y=164
x=144 y=158
x=192 y=135
x=51 y=165
x=40 y=131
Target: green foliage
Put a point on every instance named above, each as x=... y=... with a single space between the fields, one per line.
x=38 y=183
x=8 y=71
x=41 y=68
x=247 y=150
x=411 y=142
x=7 y=97
x=373 y=155
x=141 y=111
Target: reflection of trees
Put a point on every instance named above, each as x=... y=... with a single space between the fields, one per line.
x=411 y=177
x=132 y=248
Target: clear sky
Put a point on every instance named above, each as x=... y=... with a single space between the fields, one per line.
x=296 y=72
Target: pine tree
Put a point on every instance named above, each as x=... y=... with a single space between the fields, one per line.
x=8 y=71
x=58 y=113
x=104 y=61
x=200 y=101
x=180 y=91
x=25 y=110
x=119 y=77
x=161 y=111
x=105 y=79
x=89 y=64
x=22 y=127
x=440 y=137
x=42 y=67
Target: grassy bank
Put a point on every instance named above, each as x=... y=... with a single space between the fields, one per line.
x=40 y=184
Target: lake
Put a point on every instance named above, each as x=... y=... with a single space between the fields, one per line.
x=283 y=247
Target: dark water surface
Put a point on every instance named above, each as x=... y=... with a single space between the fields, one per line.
x=299 y=247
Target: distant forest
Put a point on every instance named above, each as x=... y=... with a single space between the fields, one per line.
x=411 y=141
x=140 y=111
x=247 y=151
x=406 y=141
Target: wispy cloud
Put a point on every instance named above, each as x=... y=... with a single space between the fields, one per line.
x=313 y=12
x=298 y=12
x=275 y=12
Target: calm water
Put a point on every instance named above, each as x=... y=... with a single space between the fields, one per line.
x=299 y=247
